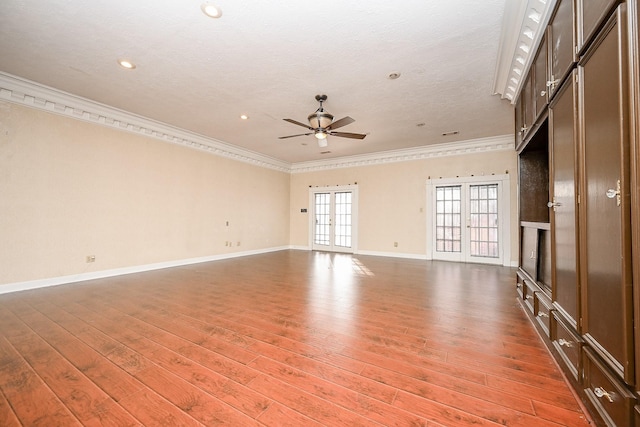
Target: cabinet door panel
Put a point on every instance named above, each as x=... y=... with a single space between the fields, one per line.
x=562 y=43
x=529 y=251
x=519 y=121
x=605 y=258
x=529 y=104
x=564 y=216
x=590 y=14
x=540 y=82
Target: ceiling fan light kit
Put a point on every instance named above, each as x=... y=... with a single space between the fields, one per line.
x=321 y=125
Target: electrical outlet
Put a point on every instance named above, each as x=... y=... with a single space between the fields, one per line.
x=238 y=244
x=395 y=244
x=91 y=258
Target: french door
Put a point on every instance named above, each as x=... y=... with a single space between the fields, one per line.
x=334 y=218
x=467 y=221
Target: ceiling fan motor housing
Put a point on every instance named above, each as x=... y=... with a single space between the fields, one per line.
x=320 y=119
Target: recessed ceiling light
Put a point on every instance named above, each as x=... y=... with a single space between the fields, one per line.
x=420 y=124
x=453 y=132
x=211 y=10
x=125 y=63
x=393 y=76
x=244 y=117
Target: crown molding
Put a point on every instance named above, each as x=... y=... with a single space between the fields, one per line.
x=25 y=92
x=523 y=26
x=480 y=145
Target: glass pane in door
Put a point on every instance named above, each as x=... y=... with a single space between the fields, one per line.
x=342 y=236
x=322 y=232
x=483 y=220
x=448 y=219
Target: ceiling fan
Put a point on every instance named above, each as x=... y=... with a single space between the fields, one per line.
x=321 y=125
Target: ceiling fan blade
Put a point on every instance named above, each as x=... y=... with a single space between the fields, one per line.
x=339 y=123
x=292 y=136
x=298 y=123
x=348 y=135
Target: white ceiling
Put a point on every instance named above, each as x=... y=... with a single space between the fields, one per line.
x=268 y=60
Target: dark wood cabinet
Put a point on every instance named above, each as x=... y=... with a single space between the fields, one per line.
x=605 y=218
x=609 y=396
x=563 y=119
x=568 y=345
x=562 y=51
x=528 y=106
x=590 y=14
x=540 y=73
x=579 y=183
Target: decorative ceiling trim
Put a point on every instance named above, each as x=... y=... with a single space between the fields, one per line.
x=523 y=26
x=481 y=145
x=21 y=91
x=30 y=94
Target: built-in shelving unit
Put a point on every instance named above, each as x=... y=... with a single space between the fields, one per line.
x=577 y=131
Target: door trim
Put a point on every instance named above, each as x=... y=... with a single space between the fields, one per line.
x=354 y=213
x=504 y=210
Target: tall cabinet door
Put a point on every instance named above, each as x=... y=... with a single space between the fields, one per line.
x=605 y=211
x=563 y=205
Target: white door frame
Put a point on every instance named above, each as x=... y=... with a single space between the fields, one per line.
x=354 y=215
x=504 y=211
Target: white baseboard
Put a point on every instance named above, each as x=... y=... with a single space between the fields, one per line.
x=393 y=255
x=300 y=248
x=62 y=280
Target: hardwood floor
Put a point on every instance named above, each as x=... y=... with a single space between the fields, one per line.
x=287 y=338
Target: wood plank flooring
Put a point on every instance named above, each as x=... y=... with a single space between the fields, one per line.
x=290 y=338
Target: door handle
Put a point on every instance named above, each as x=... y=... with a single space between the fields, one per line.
x=552 y=83
x=565 y=343
x=611 y=193
x=554 y=204
x=601 y=392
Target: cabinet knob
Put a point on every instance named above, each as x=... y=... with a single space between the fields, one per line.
x=542 y=314
x=552 y=83
x=600 y=392
x=543 y=92
x=611 y=193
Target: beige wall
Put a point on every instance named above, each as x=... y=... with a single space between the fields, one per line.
x=392 y=199
x=69 y=189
